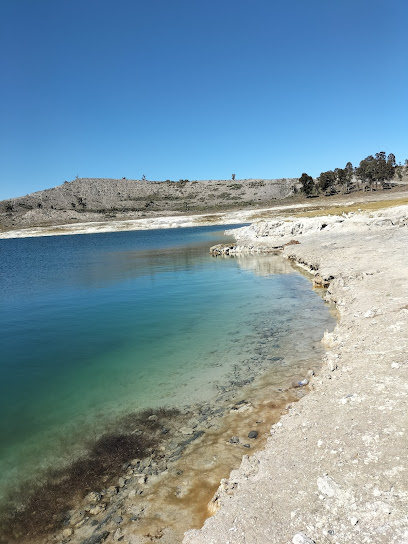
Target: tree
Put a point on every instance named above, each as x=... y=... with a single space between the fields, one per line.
x=341 y=177
x=366 y=171
x=381 y=167
x=378 y=169
x=327 y=180
x=349 y=175
x=391 y=166
x=399 y=171
x=308 y=184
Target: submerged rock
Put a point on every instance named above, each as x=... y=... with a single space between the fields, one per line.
x=187 y=430
x=97 y=538
x=118 y=535
x=93 y=497
x=301 y=383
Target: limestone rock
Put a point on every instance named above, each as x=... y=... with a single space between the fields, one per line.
x=301 y=538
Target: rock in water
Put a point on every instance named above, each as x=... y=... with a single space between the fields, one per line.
x=301 y=383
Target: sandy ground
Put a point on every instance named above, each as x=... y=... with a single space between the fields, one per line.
x=335 y=467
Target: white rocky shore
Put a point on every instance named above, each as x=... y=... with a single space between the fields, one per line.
x=335 y=467
x=180 y=221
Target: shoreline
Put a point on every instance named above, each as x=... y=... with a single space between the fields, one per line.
x=323 y=474
x=203 y=219
x=251 y=399
x=333 y=469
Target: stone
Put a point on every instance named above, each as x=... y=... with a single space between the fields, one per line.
x=187 y=430
x=112 y=490
x=121 y=482
x=234 y=440
x=96 y=538
x=253 y=434
x=77 y=517
x=67 y=532
x=118 y=535
x=320 y=282
x=327 y=486
x=117 y=519
x=301 y=538
x=93 y=497
x=152 y=418
x=296 y=384
x=95 y=510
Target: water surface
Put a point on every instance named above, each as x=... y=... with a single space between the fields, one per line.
x=98 y=324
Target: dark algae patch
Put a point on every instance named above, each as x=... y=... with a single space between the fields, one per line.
x=40 y=507
x=151 y=473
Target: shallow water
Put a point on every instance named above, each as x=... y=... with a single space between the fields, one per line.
x=95 y=325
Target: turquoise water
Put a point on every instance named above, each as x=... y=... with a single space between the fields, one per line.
x=98 y=324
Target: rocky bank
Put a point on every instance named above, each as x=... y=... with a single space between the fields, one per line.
x=334 y=469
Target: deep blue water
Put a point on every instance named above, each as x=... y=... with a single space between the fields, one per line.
x=92 y=325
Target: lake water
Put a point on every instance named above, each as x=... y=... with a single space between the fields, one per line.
x=99 y=324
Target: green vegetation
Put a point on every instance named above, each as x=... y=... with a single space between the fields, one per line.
x=372 y=171
x=308 y=185
x=378 y=169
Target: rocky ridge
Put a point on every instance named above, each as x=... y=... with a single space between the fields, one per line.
x=91 y=199
x=334 y=468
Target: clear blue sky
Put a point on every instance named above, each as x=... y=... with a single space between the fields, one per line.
x=198 y=89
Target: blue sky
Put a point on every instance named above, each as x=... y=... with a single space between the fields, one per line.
x=198 y=90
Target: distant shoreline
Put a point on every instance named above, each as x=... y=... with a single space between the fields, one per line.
x=217 y=218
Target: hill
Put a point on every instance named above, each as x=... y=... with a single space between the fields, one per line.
x=97 y=199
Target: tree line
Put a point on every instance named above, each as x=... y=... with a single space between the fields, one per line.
x=373 y=171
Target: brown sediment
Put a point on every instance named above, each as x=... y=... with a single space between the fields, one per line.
x=212 y=459
x=180 y=498
x=174 y=499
